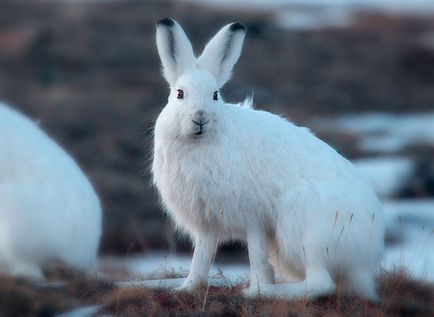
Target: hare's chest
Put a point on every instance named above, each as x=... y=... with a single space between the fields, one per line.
x=195 y=187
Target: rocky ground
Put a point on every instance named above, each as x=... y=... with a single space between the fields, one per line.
x=89 y=72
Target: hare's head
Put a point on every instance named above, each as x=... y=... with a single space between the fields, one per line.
x=192 y=109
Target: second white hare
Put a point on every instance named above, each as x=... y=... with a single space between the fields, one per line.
x=227 y=172
x=48 y=208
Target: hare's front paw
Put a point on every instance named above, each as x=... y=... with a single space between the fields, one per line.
x=29 y=271
x=189 y=285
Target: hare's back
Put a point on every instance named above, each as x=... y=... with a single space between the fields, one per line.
x=26 y=152
x=290 y=151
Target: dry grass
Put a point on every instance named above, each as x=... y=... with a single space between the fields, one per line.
x=404 y=296
x=399 y=294
x=19 y=297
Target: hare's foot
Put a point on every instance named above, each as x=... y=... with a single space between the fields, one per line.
x=27 y=270
x=190 y=285
x=257 y=290
x=316 y=284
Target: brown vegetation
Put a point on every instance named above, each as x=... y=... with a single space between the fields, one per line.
x=19 y=297
x=399 y=296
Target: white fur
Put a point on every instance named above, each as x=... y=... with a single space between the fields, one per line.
x=303 y=210
x=48 y=208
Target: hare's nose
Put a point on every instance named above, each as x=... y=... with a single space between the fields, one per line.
x=199 y=117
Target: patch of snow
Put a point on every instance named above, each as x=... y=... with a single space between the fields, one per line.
x=388 y=175
x=416 y=260
x=81 y=312
x=386 y=132
x=398 y=6
x=389 y=5
x=412 y=224
x=160 y=266
x=407 y=218
x=176 y=282
x=308 y=14
x=306 y=18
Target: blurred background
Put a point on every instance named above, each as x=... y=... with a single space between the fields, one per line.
x=359 y=73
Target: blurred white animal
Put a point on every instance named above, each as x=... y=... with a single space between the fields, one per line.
x=228 y=172
x=48 y=208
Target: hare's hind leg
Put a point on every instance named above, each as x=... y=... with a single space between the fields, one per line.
x=362 y=283
x=284 y=270
x=21 y=231
x=317 y=283
x=298 y=255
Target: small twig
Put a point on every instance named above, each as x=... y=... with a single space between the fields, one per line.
x=348 y=232
x=424 y=246
x=334 y=224
x=339 y=239
x=417 y=244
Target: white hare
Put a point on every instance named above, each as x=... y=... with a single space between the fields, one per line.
x=48 y=208
x=229 y=172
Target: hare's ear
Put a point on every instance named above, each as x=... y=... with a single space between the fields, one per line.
x=174 y=48
x=223 y=51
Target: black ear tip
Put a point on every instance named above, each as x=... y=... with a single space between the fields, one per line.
x=166 y=22
x=237 y=26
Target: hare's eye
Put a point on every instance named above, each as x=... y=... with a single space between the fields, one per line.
x=180 y=94
x=216 y=95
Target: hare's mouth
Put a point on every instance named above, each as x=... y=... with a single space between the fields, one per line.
x=201 y=128
x=199 y=133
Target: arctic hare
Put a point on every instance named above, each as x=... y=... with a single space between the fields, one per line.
x=226 y=172
x=48 y=208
